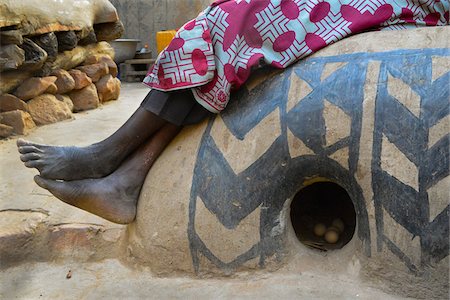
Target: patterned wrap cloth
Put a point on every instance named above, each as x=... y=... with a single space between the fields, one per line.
x=215 y=53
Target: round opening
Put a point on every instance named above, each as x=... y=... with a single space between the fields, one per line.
x=323 y=216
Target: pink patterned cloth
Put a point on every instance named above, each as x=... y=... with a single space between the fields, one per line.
x=215 y=53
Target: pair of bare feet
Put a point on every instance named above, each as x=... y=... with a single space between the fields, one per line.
x=105 y=178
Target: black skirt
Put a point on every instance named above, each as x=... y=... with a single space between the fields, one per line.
x=176 y=107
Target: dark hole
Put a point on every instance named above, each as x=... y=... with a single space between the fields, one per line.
x=323 y=203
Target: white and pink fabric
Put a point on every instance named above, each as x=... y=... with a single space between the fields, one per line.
x=215 y=53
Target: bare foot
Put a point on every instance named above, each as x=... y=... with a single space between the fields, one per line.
x=111 y=198
x=68 y=163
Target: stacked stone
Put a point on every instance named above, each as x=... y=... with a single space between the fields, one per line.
x=51 y=69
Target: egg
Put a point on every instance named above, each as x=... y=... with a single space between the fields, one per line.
x=339 y=224
x=332 y=235
x=334 y=228
x=320 y=229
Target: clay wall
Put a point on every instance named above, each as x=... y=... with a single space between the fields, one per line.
x=365 y=114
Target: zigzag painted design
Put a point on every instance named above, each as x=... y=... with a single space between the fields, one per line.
x=233 y=242
x=298 y=90
x=309 y=120
x=412 y=164
x=256 y=143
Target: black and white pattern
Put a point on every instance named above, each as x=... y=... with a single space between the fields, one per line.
x=311 y=117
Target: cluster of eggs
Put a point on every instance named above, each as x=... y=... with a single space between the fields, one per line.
x=330 y=234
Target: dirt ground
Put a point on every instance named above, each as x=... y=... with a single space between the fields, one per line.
x=111 y=280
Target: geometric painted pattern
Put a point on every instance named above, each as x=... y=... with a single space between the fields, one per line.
x=405 y=122
x=317 y=131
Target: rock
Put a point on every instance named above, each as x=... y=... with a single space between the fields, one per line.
x=35 y=56
x=11 y=37
x=10 y=102
x=46 y=109
x=108 y=88
x=103 y=58
x=11 y=57
x=108 y=31
x=49 y=43
x=65 y=82
x=12 y=79
x=34 y=87
x=67 y=40
x=85 y=98
x=5 y=131
x=52 y=89
x=105 y=13
x=89 y=38
x=80 y=78
x=66 y=100
x=95 y=71
x=21 y=121
x=94 y=59
x=70 y=59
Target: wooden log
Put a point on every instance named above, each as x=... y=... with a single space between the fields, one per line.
x=11 y=57
x=11 y=37
x=109 y=31
x=67 y=40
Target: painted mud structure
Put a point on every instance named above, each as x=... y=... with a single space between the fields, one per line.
x=359 y=131
x=355 y=137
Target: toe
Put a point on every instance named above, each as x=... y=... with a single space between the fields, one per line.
x=25 y=143
x=42 y=182
x=22 y=142
x=29 y=149
x=30 y=156
x=34 y=164
x=51 y=185
x=63 y=190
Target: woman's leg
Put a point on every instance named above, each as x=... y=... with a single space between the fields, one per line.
x=114 y=197
x=94 y=161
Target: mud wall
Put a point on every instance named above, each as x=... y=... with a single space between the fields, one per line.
x=366 y=115
x=142 y=19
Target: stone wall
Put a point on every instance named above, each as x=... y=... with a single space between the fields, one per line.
x=142 y=19
x=55 y=60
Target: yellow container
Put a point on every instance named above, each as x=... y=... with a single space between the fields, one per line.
x=163 y=39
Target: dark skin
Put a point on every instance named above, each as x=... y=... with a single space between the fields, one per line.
x=104 y=178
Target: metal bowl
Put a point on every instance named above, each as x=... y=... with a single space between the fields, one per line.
x=124 y=49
